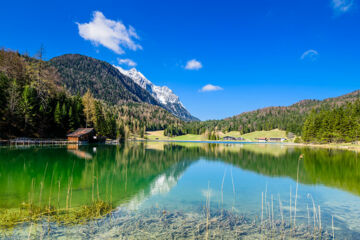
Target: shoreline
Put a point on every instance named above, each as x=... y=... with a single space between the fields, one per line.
x=341 y=146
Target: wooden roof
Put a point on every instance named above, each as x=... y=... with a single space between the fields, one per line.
x=80 y=132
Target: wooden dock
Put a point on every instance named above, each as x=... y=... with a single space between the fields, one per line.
x=35 y=141
x=4 y=142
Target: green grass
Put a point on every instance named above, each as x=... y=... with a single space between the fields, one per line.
x=156 y=135
x=190 y=137
x=231 y=134
x=159 y=135
x=276 y=133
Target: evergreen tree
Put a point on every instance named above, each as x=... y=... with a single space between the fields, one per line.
x=57 y=114
x=334 y=125
x=28 y=105
x=72 y=120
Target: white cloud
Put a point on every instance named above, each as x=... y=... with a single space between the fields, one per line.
x=210 y=88
x=193 y=65
x=341 y=6
x=310 y=54
x=127 y=62
x=109 y=33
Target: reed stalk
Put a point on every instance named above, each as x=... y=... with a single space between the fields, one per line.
x=93 y=183
x=290 y=207
x=266 y=210
x=308 y=216
x=207 y=211
x=272 y=210
x=262 y=211
x=29 y=235
x=69 y=187
x=281 y=211
x=332 y=227
x=111 y=187
x=71 y=190
x=97 y=187
x=319 y=219
x=233 y=186
x=222 y=187
x=314 y=210
x=297 y=185
x=42 y=184
x=269 y=213
x=51 y=183
x=107 y=188
x=32 y=191
x=40 y=196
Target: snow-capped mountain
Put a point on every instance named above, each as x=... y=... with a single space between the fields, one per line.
x=163 y=95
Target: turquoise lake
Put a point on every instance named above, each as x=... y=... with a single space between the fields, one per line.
x=180 y=191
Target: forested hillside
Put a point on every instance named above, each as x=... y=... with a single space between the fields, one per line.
x=341 y=124
x=31 y=102
x=290 y=118
x=81 y=73
x=34 y=103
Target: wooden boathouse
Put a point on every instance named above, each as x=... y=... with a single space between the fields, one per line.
x=82 y=135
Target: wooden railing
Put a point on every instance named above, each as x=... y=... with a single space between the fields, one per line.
x=40 y=141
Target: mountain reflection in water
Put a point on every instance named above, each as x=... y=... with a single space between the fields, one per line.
x=142 y=169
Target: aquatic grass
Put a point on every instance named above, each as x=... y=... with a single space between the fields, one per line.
x=32 y=214
x=272 y=226
x=35 y=212
x=215 y=223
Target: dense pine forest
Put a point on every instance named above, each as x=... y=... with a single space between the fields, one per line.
x=340 y=124
x=34 y=103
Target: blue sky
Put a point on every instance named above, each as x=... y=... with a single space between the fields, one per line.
x=247 y=54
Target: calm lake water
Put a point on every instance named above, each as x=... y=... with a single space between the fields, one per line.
x=169 y=189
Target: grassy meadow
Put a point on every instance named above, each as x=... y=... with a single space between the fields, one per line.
x=249 y=137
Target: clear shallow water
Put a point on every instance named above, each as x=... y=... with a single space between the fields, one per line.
x=185 y=177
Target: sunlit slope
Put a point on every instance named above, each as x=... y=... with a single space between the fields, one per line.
x=251 y=137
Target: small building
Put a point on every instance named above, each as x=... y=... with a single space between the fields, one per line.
x=82 y=135
x=262 y=139
x=277 y=139
x=240 y=139
x=229 y=138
